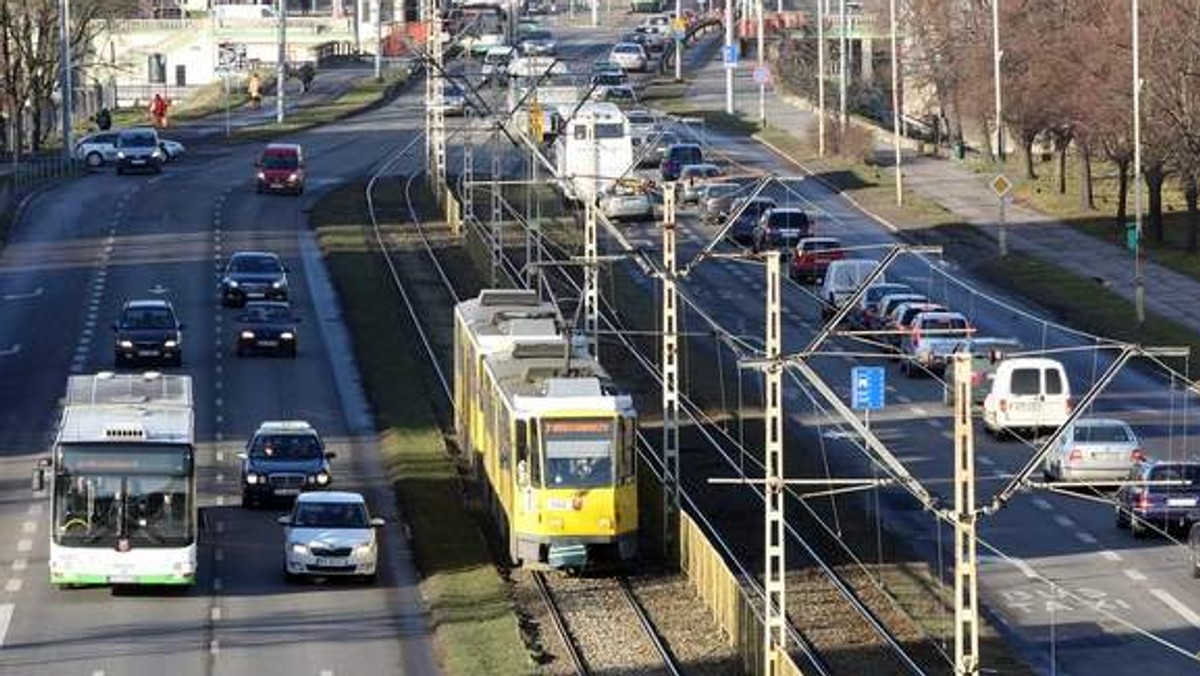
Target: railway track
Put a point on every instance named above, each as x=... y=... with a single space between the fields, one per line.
x=567 y=284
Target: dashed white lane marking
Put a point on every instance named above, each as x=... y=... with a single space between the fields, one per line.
x=24 y=545
x=1177 y=605
x=1110 y=555
x=217 y=584
x=215 y=614
x=6 y=613
x=1134 y=574
x=984 y=460
x=214 y=647
x=1042 y=504
x=1086 y=538
x=29 y=527
x=220 y=456
x=19 y=564
x=220 y=500
x=220 y=478
x=219 y=554
x=917 y=410
x=13 y=585
x=903 y=399
x=932 y=422
x=326 y=672
x=98 y=672
x=220 y=526
x=1064 y=521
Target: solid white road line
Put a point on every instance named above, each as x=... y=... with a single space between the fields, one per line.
x=1134 y=574
x=1026 y=569
x=19 y=564
x=983 y=459
x=917 y=410
x=6 y=613
x=1177 y=605
x=1110 y=555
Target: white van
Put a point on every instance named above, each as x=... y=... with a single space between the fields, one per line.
x=841 y=280
x=1028 y=393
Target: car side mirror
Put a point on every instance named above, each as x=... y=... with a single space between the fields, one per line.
x=377 y=522
x=284 y=520
x=330 y=455
x=242 y=456
x=182 y=326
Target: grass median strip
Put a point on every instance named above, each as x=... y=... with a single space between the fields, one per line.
x=475 y=627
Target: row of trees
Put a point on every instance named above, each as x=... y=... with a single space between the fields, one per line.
x=30 y=64
x=1067 y=81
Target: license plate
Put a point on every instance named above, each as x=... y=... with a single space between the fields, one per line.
x=1181 y=502
x=121 y=579
x=269 y=343
x=321 y=561
x=256 y=294
x=287 y=491
x=147 y=353
x=276 y=185
x=138 y=161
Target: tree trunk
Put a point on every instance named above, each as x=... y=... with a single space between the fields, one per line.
x=1027 y=141
x=1087 y=199
x=984 y=123
x=1191 y=193
x=1122 y=195
x=1154 y=185
x=1062 y=168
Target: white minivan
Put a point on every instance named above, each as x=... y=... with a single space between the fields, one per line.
x=842 y=278
x=1028 y=393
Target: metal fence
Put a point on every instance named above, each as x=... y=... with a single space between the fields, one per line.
x=738 y=616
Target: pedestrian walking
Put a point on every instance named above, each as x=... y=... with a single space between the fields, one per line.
x=158 y=111
x=253 y=87
x=104 y=119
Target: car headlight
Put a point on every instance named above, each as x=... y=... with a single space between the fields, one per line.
x=157 y=154
x=120 y=155
x=287 y=335
x=262 y=176
x=279 y=284
x=251 y=478
x=299 y=548
x=248 y=335
x=231 y=283
x=293 y=177
x=127 y=344
x=364 y=550
x=171 y=343
x=322 y=478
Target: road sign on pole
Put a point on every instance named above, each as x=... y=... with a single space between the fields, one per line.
x=1131 y=235
x=1001 y=185
x=867 y=387
x=729 y=54
x=762 y=75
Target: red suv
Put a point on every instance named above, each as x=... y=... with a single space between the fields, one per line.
x=812 y=256
x=280 y=169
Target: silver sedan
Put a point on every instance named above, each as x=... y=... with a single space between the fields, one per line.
x=1094 y=449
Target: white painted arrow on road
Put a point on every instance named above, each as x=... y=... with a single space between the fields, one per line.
x=23 y=296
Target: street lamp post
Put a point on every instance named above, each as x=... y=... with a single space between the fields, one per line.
x=64 y=38
x=762 y=67
x=675 y=29
x=376 y=7
x=896 y=110
x=843 y=57
x=281 y=68
x=821 y=77
x=728 y=49
x=1139 y=282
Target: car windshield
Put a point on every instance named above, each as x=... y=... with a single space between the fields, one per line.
x=640 y=118
x=687 y=155
x=714 y=190
x=286 y=447
x=537 y=35
x=948 y=326
x=623 y=93
x=260 y=313
x=138 y=141
x=275 y=161
x=877 y=292
x=820 y=245
x=1189 y=473
x=255 y=264
x=330 y=515
x=1102 y=433
x=148 y=318
x=610 y=79
x=788 y=220
x=627 y=49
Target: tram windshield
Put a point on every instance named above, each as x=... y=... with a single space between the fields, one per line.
x=579 y=453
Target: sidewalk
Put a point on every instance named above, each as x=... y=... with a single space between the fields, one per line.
x=966 y=194
x=329 y=84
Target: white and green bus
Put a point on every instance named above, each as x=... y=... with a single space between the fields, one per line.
x=123 y=482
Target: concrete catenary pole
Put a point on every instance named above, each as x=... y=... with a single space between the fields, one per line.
x=843 y=62
x=821 y=77
x=281 y=65
x=896 y=110
x=1139 y=281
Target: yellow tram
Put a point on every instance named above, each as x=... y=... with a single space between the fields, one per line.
x=550 y=440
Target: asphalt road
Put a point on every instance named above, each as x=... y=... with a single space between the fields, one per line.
x=81 y=250
x=1079 y=595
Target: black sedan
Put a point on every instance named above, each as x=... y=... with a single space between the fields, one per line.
x=148 y=331
x=267 y=327
x=253 y=275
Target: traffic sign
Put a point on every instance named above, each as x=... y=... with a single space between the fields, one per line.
x=1131 y=235
x=762 y=76
x=729 y=54
x=1001 y=185
x=867 y=389
x=680 y=25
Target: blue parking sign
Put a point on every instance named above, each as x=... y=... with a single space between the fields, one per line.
x=867 y=388
x=729 y=54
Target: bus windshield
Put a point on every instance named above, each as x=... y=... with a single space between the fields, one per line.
x=123 y=496
x=579 y=453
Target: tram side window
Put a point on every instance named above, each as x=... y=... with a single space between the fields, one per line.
x=505 y=440
x=535 y=462
x=628 y=448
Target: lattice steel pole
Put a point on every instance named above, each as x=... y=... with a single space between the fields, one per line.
x=468 y=172
x=670 y=376
x=437 y=113
x=591 y=270
x=496 y=226
x=966 y=606
x=774 y=623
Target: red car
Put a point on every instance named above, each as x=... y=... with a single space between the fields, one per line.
x=812 y=256
x=280 y=169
